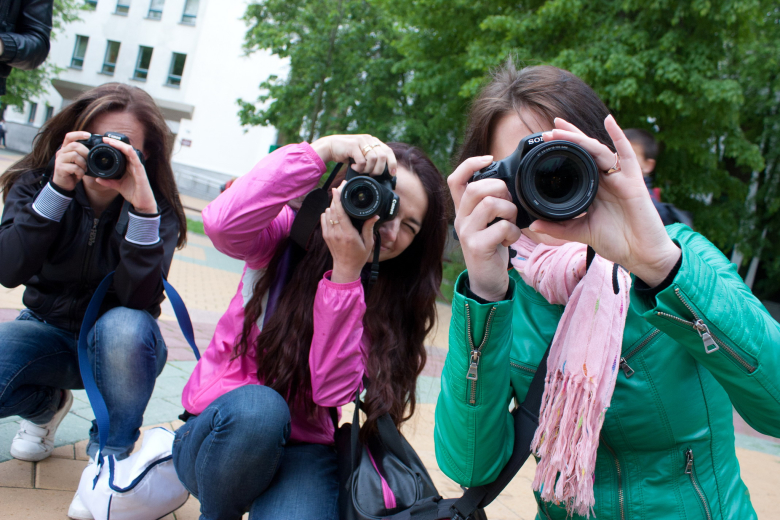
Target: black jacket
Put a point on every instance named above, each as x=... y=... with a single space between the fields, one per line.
x=62 y=263
x=25 y=26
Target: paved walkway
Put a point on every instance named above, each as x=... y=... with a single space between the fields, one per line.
x=207 y=281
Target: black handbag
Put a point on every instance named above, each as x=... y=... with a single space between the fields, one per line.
x=360 y=487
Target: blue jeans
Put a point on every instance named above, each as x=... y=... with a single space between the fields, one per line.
x=126 y=351
x=235 y=457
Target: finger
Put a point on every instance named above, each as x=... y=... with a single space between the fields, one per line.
x=458 y=180
x=371 y=159
x=562 y=124
x=324 y=227
x=476 y=191
x=381 y=160
x=392 y=163
x=603 y=156
x=623 y=146
x=74 y=169
x=113 y=184
x=76 y=158
x=337 y=209
x=574 y=230
x=367 y=232
x=358 y=156
x=71 y=137
x=488 y=210
x=129 y=153
x=504 y=232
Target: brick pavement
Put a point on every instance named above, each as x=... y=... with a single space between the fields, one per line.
x=207 y=281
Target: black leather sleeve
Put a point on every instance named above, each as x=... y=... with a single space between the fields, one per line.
x=25 y=235
x=28 y=45
x=138 y=278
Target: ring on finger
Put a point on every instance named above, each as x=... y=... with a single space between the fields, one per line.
x=333 y=222
x=616 y=167
x=375 y=145
x=367 y=148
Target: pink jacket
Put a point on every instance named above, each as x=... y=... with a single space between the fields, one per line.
x=247 y=222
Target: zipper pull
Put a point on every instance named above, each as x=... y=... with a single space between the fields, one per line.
x=709 y=344
x=689 y=462
x=625 y=368
x=472 y=373
x=93 y=232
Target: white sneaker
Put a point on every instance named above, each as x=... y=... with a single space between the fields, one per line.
x=35 y=442
x=78 y=511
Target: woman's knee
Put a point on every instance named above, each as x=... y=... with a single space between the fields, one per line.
x=255 y=412
x=125 y=333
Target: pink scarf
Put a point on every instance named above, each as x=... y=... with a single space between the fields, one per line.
x=581 y=368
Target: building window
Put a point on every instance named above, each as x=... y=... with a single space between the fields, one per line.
x=190 y=12
x=122 y=7
x=177 y=68
x=90 y=5
x=109 y=61
x=155 y=9
x=49 y=113
x=79 y=51
x=33 y=111
x=142 y=64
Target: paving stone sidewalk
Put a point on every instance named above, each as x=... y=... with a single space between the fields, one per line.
x=207 y=281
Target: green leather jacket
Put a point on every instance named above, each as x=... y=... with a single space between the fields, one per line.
x=667 y=444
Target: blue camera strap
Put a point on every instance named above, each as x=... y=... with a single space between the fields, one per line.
x=88 y=378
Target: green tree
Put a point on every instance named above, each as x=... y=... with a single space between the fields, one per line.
x=341 y=76
x=24 y=85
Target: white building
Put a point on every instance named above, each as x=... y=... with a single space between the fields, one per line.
x=187 y=55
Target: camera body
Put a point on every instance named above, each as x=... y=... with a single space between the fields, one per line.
x=554 y=180
x=104 y=161
x=364 y=196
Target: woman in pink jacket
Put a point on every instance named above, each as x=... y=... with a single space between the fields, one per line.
x=259 y=435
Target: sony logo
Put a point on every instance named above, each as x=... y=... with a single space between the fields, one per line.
x=536 y=140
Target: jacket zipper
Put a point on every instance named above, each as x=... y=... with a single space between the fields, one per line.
x=691 y=472
x=621 y=496
x=711 y=342
x=522 y=367
x=476 y=353
x=627 y=370
x=87 y=258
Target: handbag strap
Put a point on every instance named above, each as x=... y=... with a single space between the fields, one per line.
x=88 y=378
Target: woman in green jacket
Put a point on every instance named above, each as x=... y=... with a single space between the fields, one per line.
x=692 y=342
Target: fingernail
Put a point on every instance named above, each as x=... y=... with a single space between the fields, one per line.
x=547 y=135
x=488 y=157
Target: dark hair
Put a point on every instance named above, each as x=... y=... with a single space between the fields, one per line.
x=400 y=310
x=547 y=91
x=79 y=115
x=644 y=139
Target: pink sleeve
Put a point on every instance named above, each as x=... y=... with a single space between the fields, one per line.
x=251 y=217
x=338 y=350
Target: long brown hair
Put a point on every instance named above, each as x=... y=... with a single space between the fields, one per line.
x=79 y=115
x=547 y=91
x=400 y=310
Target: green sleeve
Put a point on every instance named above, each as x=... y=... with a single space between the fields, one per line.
x=711 y=312
x=474 y=431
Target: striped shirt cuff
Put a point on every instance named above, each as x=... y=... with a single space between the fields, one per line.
x=51 y=204
x=143 y=231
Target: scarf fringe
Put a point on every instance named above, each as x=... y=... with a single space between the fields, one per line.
x=567 y=438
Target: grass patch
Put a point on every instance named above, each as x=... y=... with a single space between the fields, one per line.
x=195 y=226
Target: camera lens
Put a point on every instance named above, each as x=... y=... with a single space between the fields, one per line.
x=104 y=160
x=361 y=197
x=557 y=179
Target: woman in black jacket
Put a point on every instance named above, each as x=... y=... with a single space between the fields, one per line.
x=25 y=27
x=62 y=232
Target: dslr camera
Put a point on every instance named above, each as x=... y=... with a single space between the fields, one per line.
x=555 y=180
x=105 y=161
x=364 y=196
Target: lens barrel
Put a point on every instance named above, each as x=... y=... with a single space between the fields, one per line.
x=361 y=197
x=106 y=162
x=556 y=180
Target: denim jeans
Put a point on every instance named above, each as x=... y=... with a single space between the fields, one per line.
x=235 y=457
x=125 y=349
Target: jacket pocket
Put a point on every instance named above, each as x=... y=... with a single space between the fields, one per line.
x=690 y=471
x=28 y=315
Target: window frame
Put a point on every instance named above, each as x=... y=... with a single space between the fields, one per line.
x=90 y=5
x=171 y=75
x=33 y=113
x=124 y=4
x=105 y=58
x=158 y=12
x=49 y=113
x=138 y=68
x=74 y=57
x=189 y=19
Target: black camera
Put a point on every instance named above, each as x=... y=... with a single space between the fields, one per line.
x=555 y=180
x=105 y=161
x=364 y=196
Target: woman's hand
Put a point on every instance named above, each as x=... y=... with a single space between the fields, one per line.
x=484 y=248
x=134 y=184
x=350 y=250
x=340 y=148
x=70 y=163
x=622 y=224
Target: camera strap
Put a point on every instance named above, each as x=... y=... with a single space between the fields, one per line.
x=314 y=204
